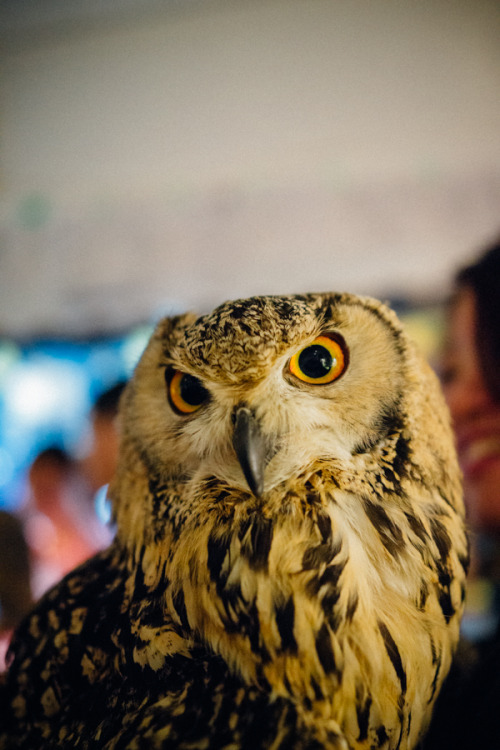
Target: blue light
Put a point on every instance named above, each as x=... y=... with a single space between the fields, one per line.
x=47 y=388
x=102 y=505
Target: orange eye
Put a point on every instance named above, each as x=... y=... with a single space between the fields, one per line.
x=321 y=362
x=185 y=392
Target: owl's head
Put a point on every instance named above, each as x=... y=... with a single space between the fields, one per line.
x=254 y=393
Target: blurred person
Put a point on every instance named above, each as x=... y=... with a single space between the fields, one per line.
x=99 y=464
x=466 y=714
x=471 y=382
x=59 y=532
x=15 y=586
x=66 y=506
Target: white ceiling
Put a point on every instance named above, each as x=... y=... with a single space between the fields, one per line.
x=158 y=156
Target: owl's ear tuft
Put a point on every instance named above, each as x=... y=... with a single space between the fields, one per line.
x=166 y=325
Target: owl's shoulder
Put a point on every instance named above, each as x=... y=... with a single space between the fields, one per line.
x=77 y=666
x=61 y=640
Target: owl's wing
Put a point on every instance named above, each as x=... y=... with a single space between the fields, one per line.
x=58 y=652
x=81 y=678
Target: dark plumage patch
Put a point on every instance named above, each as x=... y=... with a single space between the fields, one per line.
x=402 y=456
x=424 y=595
x=313 y=497
x=390 y=534
x=417 y=527
x=217 y=550
x=463 y=591
x=394 y=655
x=352 y=606
x=446 y=604
x=319 y=554
x=390 y=476
x=324 y=649
x=324 y=523
x=382 y=736
x=328 y=312
x=444 y=593
x=241 y=308
x=318 y=693
x=242 y=617
x=387 y=422
x=329 y=577
x=285 y=619
x=366 y=445
x=390 y=420
x=314 y=557
x=329 y=580
x=256 y=544
x=441 y=538
x=328 y=603
x=408 y=727
x=286 y=309
x=363 y=716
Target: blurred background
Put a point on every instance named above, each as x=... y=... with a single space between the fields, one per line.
x=160 y=155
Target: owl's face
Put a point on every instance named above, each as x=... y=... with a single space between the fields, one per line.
x=256 y=391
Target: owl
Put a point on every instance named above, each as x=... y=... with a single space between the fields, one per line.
x=289 y=564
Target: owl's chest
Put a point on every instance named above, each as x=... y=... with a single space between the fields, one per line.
x=336 y=607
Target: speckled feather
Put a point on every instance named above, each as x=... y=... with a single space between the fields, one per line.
x=322 y=612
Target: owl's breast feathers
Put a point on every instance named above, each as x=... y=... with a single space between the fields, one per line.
x=321 y=611
x=332 y=596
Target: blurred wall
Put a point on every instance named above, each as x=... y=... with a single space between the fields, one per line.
x=157 y=156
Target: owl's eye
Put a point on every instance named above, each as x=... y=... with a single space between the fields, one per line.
x=185 y=392
x=321 y=362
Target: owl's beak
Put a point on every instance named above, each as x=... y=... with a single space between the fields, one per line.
x=251 y=448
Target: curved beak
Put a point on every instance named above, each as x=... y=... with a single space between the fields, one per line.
x=251 y=448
